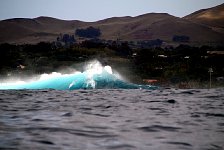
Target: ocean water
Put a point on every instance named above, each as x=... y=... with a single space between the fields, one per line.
x=104 y=119
x=98 y=110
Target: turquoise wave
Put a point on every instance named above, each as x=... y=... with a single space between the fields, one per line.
x=103 y=79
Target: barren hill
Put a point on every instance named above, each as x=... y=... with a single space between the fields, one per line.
x=156 y=26
x=196 y=26
x=23 y=30
x=213 y=17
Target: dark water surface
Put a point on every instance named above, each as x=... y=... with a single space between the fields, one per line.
x=112 y=119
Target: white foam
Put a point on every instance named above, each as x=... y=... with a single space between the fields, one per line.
x=92 y=68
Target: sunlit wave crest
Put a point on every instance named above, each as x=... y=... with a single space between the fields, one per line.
x=95 y=76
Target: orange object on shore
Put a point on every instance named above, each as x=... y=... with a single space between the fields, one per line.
x=150 y=80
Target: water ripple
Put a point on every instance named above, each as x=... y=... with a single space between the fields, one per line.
x=112 y=119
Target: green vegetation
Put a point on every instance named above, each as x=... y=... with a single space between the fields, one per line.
x=180 y=65
x=89 y=32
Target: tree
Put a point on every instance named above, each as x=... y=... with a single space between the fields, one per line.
x=89 y=32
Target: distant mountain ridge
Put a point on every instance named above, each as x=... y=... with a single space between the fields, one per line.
x=203 y=26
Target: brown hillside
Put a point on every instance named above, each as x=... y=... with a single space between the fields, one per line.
x=22 y=30
x=213 y=17
x=156 y=26
x=144 y=27
x=130 y=28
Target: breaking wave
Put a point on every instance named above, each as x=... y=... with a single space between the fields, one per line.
x=95 y=76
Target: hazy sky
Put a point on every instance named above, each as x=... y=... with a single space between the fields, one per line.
x=92 y=10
